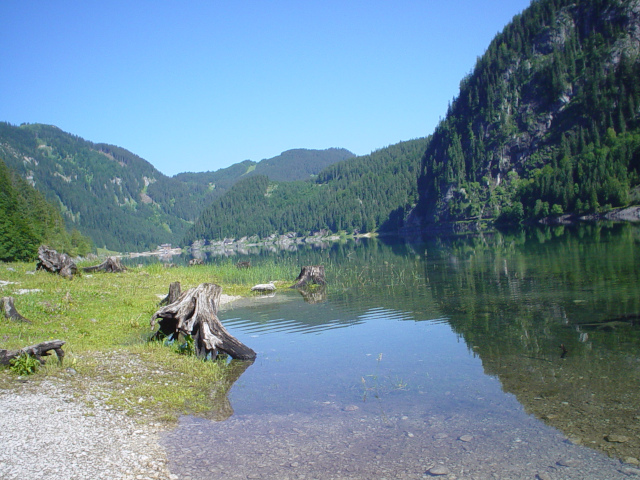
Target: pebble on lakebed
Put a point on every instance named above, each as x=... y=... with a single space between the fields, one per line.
x=439 y=470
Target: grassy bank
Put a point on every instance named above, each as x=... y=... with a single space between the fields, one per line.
x=104 y=320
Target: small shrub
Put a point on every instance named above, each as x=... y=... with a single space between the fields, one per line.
x=24 y=365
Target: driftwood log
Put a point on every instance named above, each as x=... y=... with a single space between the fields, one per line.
x=173 y=295
x=54 y=262
x=9 y=310
x=110 y=265
x=195 y=313
x=38 y=351
x=310 y=274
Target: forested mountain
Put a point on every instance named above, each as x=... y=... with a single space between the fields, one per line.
x=104 y=191
x=361 y=194
x=27 y=221
x=546 y=123
x=297 y=164
x=119 y=199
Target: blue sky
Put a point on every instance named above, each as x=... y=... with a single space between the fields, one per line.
x=201 y=85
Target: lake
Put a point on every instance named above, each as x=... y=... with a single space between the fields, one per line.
x=506 y=355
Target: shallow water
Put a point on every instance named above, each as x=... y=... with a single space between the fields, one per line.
x=444 y=353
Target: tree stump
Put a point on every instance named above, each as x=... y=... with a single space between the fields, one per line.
x=195 y=313
x=310 y=274
x=110 y=265
x=10 y=312
x=173 y=295
x=38 y=351
x=55 y=262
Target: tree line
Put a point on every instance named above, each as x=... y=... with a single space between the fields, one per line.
x=364 y=194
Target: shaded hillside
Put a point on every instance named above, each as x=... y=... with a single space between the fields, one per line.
x=546 y=123
x=27 y=221
x=289 y=166
x=120 y=200
x=360 y=194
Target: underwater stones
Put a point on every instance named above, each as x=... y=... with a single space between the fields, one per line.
x=616 y=438
x=568 y=462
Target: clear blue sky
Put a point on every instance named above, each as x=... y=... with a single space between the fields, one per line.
x=201 y=85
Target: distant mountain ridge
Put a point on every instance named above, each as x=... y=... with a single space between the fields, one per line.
x=361 y=194
x=289 y=166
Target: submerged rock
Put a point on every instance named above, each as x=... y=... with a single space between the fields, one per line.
x=616 y=438
x=439 y=470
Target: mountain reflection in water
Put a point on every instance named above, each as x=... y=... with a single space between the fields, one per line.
x=397 y=362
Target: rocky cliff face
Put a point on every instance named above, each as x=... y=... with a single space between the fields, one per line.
x=550 y=80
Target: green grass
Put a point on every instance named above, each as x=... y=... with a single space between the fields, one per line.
x=104 y=320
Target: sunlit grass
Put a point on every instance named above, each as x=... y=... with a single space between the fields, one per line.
x=104 y=320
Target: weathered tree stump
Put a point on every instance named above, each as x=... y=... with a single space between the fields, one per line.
x=110 y=265
x=173 y=295
x=310 y=274
x=38 y=351
x=195 y=313
x=55 y=262
x=9 y=310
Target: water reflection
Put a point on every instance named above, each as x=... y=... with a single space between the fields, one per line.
x=551 y=314
x=413 y=347
x=221 y=408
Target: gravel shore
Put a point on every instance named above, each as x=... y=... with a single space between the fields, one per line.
x=49 y=434
x=49 y=430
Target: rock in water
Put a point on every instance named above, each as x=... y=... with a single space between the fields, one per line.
x=439 y=470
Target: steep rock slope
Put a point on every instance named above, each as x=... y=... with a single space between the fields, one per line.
x=546 y=123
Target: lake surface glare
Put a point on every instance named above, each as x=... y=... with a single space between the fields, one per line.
x=510 y=356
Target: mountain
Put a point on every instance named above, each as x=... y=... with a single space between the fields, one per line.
x=547 y=122
x=359 y=194
x=289 y=166
x=119 y=199
x=104 y=191
x=27 y=221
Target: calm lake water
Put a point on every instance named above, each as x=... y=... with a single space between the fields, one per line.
x=507 y=355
